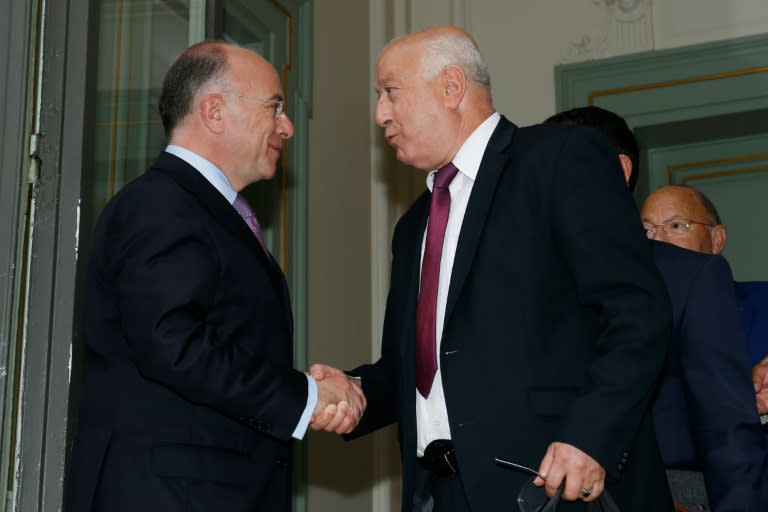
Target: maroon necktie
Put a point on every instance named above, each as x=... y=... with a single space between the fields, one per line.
x=426 y=309
x=245 y=211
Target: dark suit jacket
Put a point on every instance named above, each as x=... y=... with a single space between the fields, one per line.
x=752 y=301
x=189 y=398
x=705 y=413
x=555 y=329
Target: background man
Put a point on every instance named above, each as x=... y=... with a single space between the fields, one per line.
x=190 y=400
x=710 y=238
x=703 y=413
x=525 y=319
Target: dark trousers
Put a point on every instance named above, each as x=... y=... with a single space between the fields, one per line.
x=435 y=493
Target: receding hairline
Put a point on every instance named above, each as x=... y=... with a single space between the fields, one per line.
x=436 y=48
x=701 y=199
x=422 y=38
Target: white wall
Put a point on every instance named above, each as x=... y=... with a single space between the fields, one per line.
x=524 y=39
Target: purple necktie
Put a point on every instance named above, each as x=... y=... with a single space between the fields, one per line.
x=245 y=211
x=426 y=309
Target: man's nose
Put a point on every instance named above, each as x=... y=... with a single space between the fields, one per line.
x=284 y=127
x=383 y=115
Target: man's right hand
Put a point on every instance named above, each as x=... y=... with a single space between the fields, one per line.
x=340 y=401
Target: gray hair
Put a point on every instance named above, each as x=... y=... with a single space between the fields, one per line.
x=446 y=49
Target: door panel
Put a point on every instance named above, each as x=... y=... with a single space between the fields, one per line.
x=733 y=173
x=698 y=113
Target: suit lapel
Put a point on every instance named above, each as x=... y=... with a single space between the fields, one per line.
x=491 y=168
x=211 y=199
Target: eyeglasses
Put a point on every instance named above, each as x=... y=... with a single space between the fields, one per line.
x=530 y=497
x=277 y=105
x=673 y=227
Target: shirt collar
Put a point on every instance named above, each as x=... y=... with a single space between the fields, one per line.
x=208 y=169
x=470 y=154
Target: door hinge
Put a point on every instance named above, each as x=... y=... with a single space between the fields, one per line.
x=34 y=155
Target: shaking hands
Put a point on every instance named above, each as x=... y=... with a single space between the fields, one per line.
x=340 y=400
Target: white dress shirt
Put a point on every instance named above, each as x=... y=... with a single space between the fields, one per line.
x=431 y=412
x=219 y=180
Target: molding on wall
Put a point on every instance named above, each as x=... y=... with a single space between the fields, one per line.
x=627 y=27
x=669 y=85
x=384 y=495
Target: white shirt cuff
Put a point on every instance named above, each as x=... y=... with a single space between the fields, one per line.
x=301 y=428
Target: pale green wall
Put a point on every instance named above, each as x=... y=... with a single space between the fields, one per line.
x=339 y=254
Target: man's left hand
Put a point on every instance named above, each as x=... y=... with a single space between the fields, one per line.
x=584 y=476
x=760 y=381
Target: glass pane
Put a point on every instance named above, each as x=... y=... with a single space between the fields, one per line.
x=138 y=41
x=263 y=26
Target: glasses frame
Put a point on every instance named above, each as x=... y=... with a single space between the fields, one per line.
x=277 y=104
x=651 y=229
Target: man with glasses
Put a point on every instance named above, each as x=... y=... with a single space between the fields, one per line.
x=190 y=399
x=704 y=411
x=683 y=216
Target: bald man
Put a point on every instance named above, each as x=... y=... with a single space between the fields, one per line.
x=190 y=400
x=709 y=235
x=675 y=201
x=526 y=320
x=683 y=216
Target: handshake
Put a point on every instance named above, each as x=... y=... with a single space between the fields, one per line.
x=340 y=400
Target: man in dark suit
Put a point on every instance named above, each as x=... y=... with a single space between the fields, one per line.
x=190 y=400
x=751 y=297
x=547 y=319
x=752 y=301
x=727 y=442
x=704 y=415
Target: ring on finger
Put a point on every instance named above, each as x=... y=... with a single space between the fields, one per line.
x=585 y=493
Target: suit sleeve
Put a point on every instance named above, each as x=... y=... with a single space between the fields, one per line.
x=719 y=393
x=597 y=229
x=166 y=277
x=381 y=380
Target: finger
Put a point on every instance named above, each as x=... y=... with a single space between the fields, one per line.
x=347 y=425
x=544 y=465
x=596 y=489
x=359 y=403
x=321 y=420
x=358 y=392
x=341 y=412
x=319 y=371
x=573 y=487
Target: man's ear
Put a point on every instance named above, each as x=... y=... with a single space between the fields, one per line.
x=719 y=236
x=454 y=84
x=211 y=108
x=626 y=166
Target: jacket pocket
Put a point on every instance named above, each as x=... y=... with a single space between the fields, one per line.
x=192 y=462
